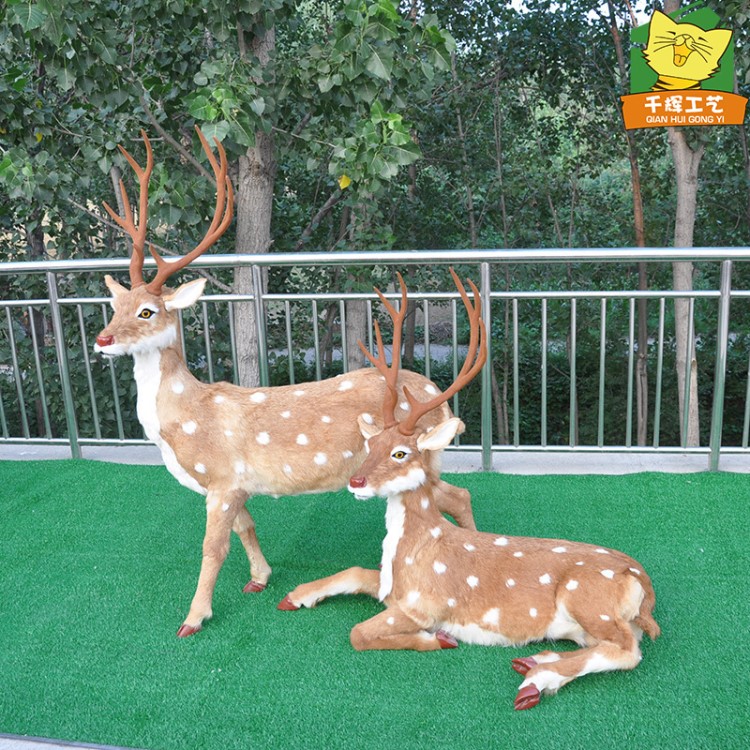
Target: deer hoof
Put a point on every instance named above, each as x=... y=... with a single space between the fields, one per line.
x=253 y=587
x=527 y=697
x=446 y=640
x=523 y=664
x=287 y=605
x=186 y=630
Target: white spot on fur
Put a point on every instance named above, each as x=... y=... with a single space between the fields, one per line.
x=286 y=414
x=200 y=468
x=608 y=573
x=326 y=419
x=287 y=470
x=451 y=603
x=302 y=439
x=491 y=616
x=391 y=620
x=298 y=393
x=473 y=581
x=436 y=532
x=178 y=387
x=320 y=459
x=347 y=454
x=346 y=385
x=469 y=547
x=602 y=551
x=429 y=388
x=425 y=503
x=404 y=405
x=571 y=585
x=413 y=597
x=533 y=612
x=518 y=554
x=510 y=583
x=439 y=567
x=225 y=507
x=368 y=418
x=606 y=618
x=545 y=579
x=635 y=570
x=239 y=467
x=409 y=560
x=501 y=541
x=263 y=438
x=219 y=399
x=258 y=397
x=189 y=427
x=229 y=433
x=559 y=550
x=580 y=562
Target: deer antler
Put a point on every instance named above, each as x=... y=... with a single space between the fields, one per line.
x=127 y=223
x=472 y=364
x=389 y=373
x=223 y=214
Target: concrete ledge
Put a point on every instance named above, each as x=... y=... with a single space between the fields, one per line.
x=503 y=462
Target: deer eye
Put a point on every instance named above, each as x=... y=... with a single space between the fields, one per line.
x=146 y=313
x=399 y=454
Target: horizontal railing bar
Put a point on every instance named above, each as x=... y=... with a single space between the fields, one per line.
x=428 y=296
x=408 y=257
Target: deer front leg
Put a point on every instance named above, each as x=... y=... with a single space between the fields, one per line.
x=349 y=581
x=395 y=630
x=221 y=510
x=456 y=502
x=260 y=570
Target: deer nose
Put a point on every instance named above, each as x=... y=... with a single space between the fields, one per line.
x=358 y=482
x=105 y=340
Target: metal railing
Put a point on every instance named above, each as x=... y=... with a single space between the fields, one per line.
x=538 y=340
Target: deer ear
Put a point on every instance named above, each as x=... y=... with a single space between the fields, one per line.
x=185 y=295
x=367 y=427
x=440 y=436
x=115 y=289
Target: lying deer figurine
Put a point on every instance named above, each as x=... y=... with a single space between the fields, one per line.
x=227 y=442
x=441 y=583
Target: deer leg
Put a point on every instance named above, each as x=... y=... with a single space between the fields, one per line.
x=392 y=629
x=548 y=671
x=456 y=502
x=349 y=581
x=221 y=509
x=260 y=570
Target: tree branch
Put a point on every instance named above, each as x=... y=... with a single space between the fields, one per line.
x=176 y=144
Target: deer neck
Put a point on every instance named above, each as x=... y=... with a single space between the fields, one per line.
x=159 y=369
x=405 y=514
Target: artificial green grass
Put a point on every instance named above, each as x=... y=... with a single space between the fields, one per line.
x=99 y=563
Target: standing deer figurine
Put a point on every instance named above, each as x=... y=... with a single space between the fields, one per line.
x=227 y=442
x=441 y=583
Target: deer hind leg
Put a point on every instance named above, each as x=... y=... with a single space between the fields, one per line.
x=349 y=581
x=260 y=570
x=456 y=502
x=548 y=671
x=221 y=509
x=395 y=630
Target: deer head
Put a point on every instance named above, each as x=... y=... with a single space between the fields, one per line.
x=397 y=459
x=145 y=316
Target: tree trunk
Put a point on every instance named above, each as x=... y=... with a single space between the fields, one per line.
x=687 y=161
x=257 y=171
x=641 y=363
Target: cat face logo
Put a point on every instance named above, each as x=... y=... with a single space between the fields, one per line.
x=681 y=73
x=683 y=55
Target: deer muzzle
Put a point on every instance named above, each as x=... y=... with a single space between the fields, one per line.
x=358 y=482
